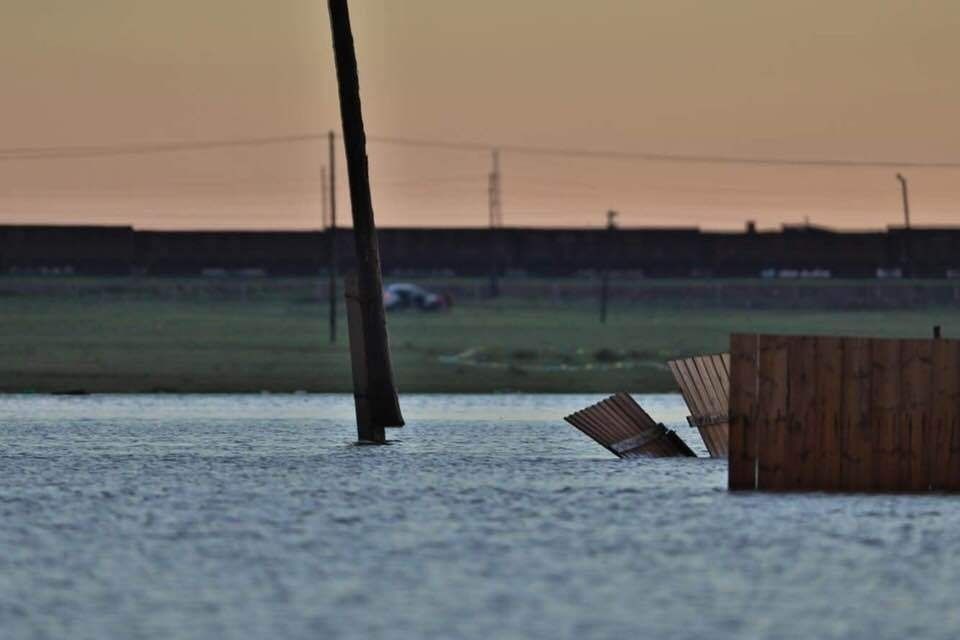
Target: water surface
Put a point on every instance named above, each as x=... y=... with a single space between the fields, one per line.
x=257 y=517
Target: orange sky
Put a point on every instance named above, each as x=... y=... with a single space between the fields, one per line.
x=844 y=79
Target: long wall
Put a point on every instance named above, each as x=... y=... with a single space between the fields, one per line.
x=653 y=252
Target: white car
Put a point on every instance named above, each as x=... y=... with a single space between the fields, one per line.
x=404 y=295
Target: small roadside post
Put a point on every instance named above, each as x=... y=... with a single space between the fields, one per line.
x=605 y=275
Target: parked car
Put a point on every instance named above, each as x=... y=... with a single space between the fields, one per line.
x=404 y=295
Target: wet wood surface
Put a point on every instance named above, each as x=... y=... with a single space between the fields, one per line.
x=844 y=414
x=705 y=384
x=621 y=426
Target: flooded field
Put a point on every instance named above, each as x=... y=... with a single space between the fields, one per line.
x=255 y=516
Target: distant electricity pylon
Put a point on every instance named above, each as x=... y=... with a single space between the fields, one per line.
x=496 y=222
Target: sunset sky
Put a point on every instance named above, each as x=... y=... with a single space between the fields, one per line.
x=844 y=80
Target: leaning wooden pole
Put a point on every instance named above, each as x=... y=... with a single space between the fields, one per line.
x=376 y=400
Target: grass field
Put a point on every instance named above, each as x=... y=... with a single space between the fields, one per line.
x=275 y=339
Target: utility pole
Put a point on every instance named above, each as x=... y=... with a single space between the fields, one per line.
x=325 y=226
x=374 y=392
x=332 y=240
x=496 y=221
x=605 y=276
x=906 y=200
x=908 y=258
x=323 y=197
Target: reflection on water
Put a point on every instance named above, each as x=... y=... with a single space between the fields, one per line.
x=256 y=517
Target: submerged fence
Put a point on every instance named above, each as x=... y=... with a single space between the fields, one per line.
x=844 y=414
x=621 y=426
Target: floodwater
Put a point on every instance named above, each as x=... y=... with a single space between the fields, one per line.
x=256 y=517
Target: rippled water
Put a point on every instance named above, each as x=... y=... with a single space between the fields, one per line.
x=256 y=517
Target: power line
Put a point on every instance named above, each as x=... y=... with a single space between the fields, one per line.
x=571 y=152
x=150 y=148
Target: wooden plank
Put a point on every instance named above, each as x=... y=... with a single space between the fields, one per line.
x=884 y=414
x=677 y=445
x=952 y=418
x=707 y=435
x=916 y=400
x=946 y=415
x=616 y=428
x=699 y=403
x=715 y=438
x=615 y=432
x=685 y=390
x=772 y=410
x=722 y=361
x=607 y=433
x=597 y=429
x=828 y=457
x=716 y=391
x=636 y=442
x=741 y=470
x=856 y=469
x=630 y=408
x=626 y=425
x=722 y=436
x=703 y=389
x=720 y=432
x=673 y=444
x=723 y=378
x=710 y=391
x=801 y=429
x=704 y=383
x=622 y=427
x=660 y=442
x=585 y=424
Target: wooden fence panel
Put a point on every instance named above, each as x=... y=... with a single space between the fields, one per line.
x=716 y=375
x=827 y=451
x=884 y=411
x=848 y=414
x=705 y=384
x=692 y=391
x=950 y=409
x=945 y=475
x=857 y=471
x=772 y=411
x=742 y=471
x=623 y=428
x=916 y=399
x=800 y=443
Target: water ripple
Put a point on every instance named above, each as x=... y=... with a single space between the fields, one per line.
x=254 y=517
